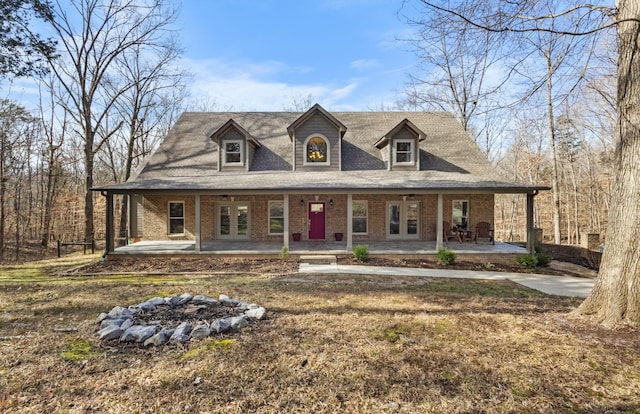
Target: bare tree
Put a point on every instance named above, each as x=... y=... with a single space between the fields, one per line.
x=616 y=294
x=158 y=91
x=54 y=131
x=16 y=138
x=300 y=103
x=93 y=34
x=460 y=68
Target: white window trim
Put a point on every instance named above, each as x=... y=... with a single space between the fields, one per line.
x=269 y=219
x=169 y=218
x=366 y=217
x=453 y=202
x=304 y=151
x=224 y=152
x=394 y=155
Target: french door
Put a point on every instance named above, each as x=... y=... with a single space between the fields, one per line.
x=403 y=220
x=233 y=220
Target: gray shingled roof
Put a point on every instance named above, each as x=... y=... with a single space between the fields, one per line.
x=186 y=159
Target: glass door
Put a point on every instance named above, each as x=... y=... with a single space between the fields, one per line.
x=233 y=220
x=403 y=220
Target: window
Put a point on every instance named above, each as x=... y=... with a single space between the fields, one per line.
x=403 y=152
x=317 y=150
x=276 y=217
x=233 y=154
x=359 y=219
x=460 y=214
x=176 y=217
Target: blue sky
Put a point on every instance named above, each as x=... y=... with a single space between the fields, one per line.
x=262 y=54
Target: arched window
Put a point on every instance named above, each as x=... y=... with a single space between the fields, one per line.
x=317 y=150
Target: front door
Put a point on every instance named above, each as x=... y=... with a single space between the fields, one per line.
x=316 y=220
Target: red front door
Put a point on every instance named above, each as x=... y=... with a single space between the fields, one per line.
x=316 y=220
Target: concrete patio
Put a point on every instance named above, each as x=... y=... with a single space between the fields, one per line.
x=403 y=247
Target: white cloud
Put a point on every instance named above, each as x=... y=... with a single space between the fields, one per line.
x=246 y=86
x=364 y=64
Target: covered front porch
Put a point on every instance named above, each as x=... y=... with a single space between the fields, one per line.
x=399 y=247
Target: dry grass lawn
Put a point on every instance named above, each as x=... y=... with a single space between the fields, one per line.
x=332 y=343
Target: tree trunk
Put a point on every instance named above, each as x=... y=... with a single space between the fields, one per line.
x=555 y=190
x=88 y=197
x=3 y=188
x=616 y=295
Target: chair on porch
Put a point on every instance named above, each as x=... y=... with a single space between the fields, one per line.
x=484 y=231
x=449 y=233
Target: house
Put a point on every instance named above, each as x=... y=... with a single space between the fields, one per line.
x=286 y=178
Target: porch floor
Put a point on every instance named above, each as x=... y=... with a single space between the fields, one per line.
x=311 y=247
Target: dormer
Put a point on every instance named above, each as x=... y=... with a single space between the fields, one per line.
x=316 y=137
x=401 y=146
x=235 y=147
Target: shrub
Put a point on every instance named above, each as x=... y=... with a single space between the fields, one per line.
x=446 y=256
x=530 y=261
x=284 y=253
x=361 y=253
x=543 y=259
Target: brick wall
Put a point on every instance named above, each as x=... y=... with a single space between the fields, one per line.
x=156 y=218
x=481 y=208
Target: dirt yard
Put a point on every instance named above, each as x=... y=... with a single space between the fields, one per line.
x=330 y=343
x=276 y=266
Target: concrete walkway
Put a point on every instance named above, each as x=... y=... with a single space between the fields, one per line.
x=552 y=285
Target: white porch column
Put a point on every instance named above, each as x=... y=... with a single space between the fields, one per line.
x=531 y=236
x=198 y=238
x=349 y=221
x=285 y=235
x=439 y=216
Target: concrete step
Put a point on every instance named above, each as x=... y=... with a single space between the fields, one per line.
x=319 y=259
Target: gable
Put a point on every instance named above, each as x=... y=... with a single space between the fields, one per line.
x=236 y=146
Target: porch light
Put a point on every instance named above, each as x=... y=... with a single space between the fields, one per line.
x=331 y=202
x=301 y=202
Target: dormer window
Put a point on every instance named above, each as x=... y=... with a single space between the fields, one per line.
x=403 y=152
x=317 y=150
x=233 y=152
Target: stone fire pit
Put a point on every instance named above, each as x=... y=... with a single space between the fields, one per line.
x=176 y=319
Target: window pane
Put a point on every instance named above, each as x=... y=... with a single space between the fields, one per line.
x=359 y=209
x=403 y=146
x=412 y=219
x=316 y=150
x=176 y=210
x=232 y=158
x=243 y=220
x=225 y=220
x=276 y=209
x=176 y=226
x=403 y=157
x=276 y=225
x=394 y=219
x=233 y=146
x=460 y=213
x=359 y=225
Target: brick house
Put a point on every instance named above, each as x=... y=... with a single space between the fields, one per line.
x=317 y=176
